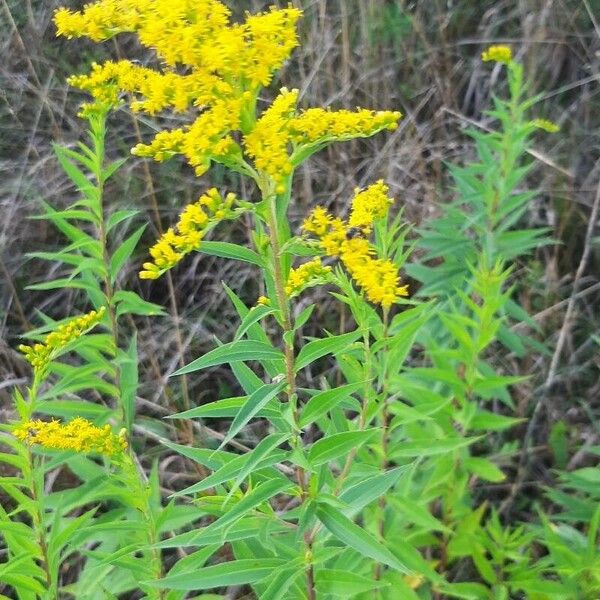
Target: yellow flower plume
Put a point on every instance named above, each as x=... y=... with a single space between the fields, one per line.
x=369 y=205
x=306 y=275
x=187 y=234
x=41 y=354
x=79 y=435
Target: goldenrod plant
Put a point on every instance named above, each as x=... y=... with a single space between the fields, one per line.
x=379 y=437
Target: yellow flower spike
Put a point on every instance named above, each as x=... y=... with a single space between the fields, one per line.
x=310 y=273
x=188 y=232
x=369 y=205
x=500 y=54
x=79 y=435
x=41 y=354
x=319 y=124
x=268 y=142
x=546 y=125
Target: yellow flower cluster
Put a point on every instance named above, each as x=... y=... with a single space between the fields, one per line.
x=377 y=277
x=316 y=125
x=41 y=354
x=369 y=205
x=79 y=435
x=207 y=138
x=152 y=91
x=268 y=142
x=310 y=273
x=501 y=54
x=196 y=33
x=187 y=234
x=280 y=130
x=546 y=125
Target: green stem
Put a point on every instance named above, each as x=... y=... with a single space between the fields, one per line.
x=286 y=324
x=384 y=431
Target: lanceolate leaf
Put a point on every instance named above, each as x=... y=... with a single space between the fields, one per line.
x=357 y=538
x=428 y=447
x=366 y=491
x=237 y=572
x=336 y=445
x=261 y=397
x=240 y=350
x=228 y=250
x=322 y=402
x=318 y=348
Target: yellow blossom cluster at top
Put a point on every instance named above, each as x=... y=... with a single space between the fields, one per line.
x=377 y=277
x=79 y=435
x=501 y=54
x=308 y=274
x=195 y=33
x=187 y=234
x=41 y=354
x=217 y=66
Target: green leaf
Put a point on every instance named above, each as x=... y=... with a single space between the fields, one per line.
x=255 y=459
x=366 y=491
x=357 y=538
x=228 y=471
x=257 y=400
x=240 y=350
x=124 y=251
x=79 y=178
x=318 y=348
x=323 y=402
x=486 y=420
x=228 y=250
x=416 y=514
x=261 y=493
x=237 y=572
x=254 y=315
x=484 y=468
x=345 y=583
x=228 y=407
x=333 y=446
x=118 y=217
x=430 y=447
x=129 y=303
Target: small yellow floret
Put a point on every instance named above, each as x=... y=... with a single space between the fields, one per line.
x=263 y=301
x=79 y=435
x=501 y=54
x=307 y=275
x=41 y=354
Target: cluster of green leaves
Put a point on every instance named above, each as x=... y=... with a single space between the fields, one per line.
x=372 y=479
